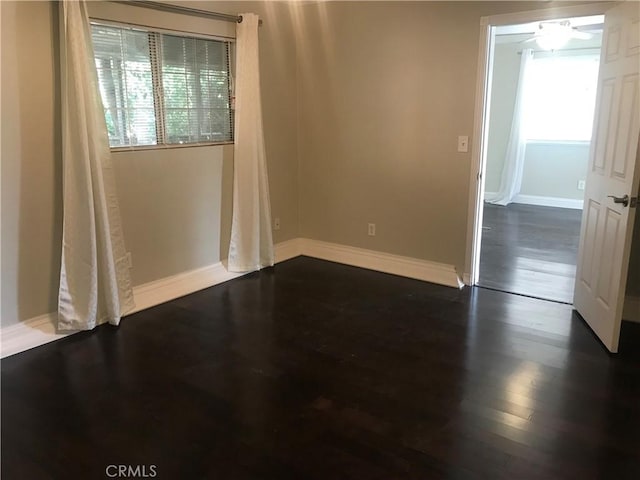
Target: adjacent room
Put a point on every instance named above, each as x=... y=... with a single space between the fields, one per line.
x=543 y=94
x=251 y=239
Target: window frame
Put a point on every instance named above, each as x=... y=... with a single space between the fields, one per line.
x=156 y=79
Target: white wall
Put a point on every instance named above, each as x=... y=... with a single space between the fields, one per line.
x=506 y=67
x=553 y=170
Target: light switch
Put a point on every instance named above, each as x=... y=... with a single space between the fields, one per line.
x=463 y=143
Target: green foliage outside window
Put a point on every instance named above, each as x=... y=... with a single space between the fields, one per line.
x=162 y=89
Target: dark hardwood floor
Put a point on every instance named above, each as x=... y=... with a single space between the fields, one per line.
x=530 y=250
x=314 y=370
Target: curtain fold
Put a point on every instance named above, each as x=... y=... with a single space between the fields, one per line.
x=251 y=246
x=511 y=179
x=95 y=284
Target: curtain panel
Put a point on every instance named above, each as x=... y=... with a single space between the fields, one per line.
x=513 y=167
x=251 y=246
x=95 y=283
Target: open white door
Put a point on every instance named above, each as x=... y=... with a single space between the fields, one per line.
x=612 y=179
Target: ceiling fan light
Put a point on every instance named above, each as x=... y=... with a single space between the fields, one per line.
x=553 y=36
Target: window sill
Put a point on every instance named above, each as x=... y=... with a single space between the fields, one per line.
x=558 y=142
x=167 y=147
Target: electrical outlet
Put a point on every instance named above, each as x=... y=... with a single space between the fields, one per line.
x=581 y=184
x=276 y=223
x=371 y=231
x=129 y=259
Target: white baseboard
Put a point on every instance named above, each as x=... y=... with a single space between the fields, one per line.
x=169 y=288
x=383 y=262
x=543 y=201
x=165 y=289
x=29 y=334
x=549 y=201
x=40 y=330
x=631 y=309
x=288 y=249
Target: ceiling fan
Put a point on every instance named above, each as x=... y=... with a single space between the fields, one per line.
x=554 y=35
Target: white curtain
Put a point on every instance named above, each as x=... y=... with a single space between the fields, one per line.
x=251 y=246
x=95 y=285
x=511 y=179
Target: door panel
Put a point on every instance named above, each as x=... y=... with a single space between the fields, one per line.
x=603 y=127
x=592 y=216
x=609 y=250
x=624 y=153
x=612 y=40
x=605 y=239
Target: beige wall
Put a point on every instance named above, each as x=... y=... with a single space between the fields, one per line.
x=362 y=105
x=175 y=204
x=385 y=88
x=31 y=166
x=170 y=203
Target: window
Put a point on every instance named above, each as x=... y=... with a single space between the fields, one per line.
x=161 y=89
x=560 y=98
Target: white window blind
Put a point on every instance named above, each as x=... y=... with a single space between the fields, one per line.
x=124 y=75
x=195 y=82
x=160 y=89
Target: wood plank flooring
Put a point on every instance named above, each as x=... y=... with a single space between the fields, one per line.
x=530 y=250
x=314 y=370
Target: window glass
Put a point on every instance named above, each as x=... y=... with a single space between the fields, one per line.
x=196 y=90
x=162 y=89
x=124 y=76
x=560 y=97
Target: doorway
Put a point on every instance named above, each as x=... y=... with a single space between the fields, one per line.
x=543 y=79
x=613 y=177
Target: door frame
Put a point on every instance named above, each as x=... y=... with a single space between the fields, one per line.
x=481 y=116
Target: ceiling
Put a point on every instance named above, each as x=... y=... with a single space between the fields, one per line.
x=518 y=33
